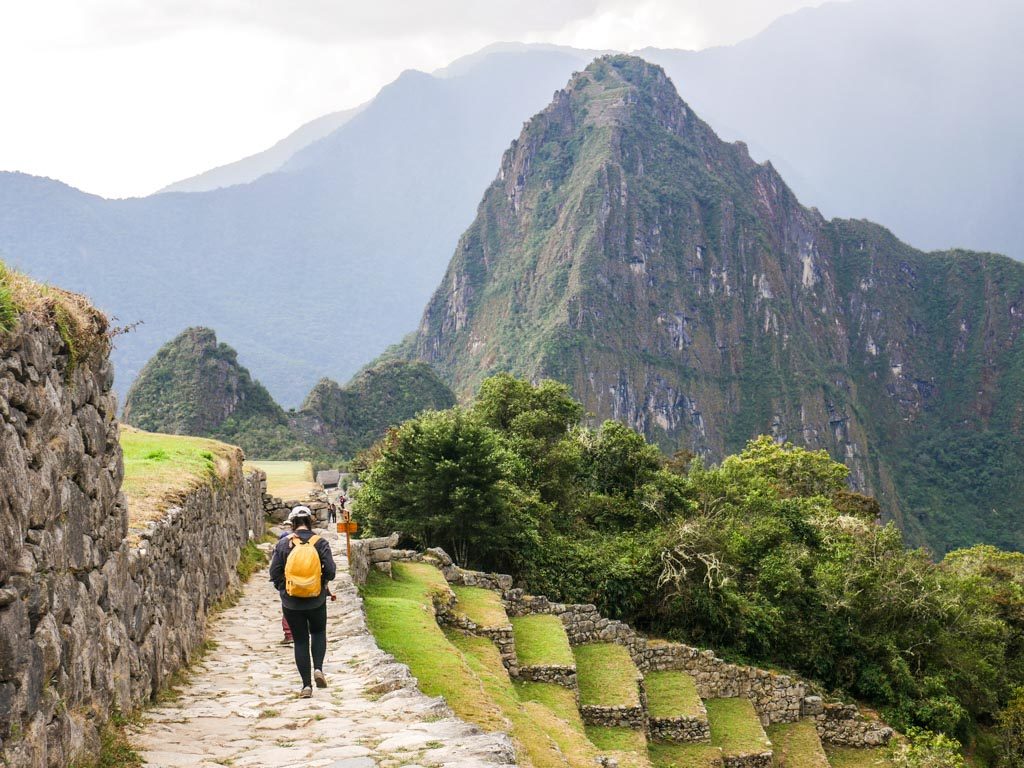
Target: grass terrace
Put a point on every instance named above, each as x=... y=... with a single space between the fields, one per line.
x=288 y=480
x=607 y=675
x=796 y=745
x=672 y=694
x=160 y=469
x=541 y=641
x=482 y=606
x=735 y=726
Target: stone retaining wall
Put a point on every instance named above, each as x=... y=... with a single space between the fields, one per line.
x=777 y=698
x=371 y=553
x=559 y=675
x=92 y=619
x=754 y=760
x=679 y=729
x=626 y=717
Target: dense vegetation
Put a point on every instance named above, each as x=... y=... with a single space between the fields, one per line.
x=766 y=556
x=196 y=386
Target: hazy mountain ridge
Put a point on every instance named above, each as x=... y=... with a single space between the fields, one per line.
x=680 y=287
x=315 y=269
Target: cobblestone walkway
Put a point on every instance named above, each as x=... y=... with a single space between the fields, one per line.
x=240 y=708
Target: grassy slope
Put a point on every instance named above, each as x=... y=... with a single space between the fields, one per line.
x=287 y=479
x=848 y=757
x=482 y=606
x=158 y=469
x=400 y=615
x=544 y=737
x=607 y=675
x=735 y=726
x=796 y=745
x=666 y=755
x=541 y=641
x=672 y=694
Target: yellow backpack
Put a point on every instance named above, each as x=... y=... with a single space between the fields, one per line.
x=302 y=569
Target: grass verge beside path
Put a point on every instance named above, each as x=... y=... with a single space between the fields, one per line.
x=541 y=641
x=606 y=674
x=735 y=726
x=796 y=745
x=482 y=606
x=672 y=694
x=288 y=480
x=160 y=469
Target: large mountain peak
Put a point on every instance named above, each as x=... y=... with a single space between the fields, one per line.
x=680 y=287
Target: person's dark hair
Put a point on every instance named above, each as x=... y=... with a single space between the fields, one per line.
x=302 y=522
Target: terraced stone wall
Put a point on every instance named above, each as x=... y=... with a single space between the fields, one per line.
x=92 y=618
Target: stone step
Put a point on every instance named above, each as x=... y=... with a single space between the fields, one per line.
x=674 y=708
x=543 y=650
x=797 y=745
x=610 y=686
x=736 y=729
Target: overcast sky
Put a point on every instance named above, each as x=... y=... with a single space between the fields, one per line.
x=120 y=97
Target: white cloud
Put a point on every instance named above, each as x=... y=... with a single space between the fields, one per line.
x=120 y=97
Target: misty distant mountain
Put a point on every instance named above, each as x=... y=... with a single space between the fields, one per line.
x=269 y=160
x=898 y=110
x=312 y=270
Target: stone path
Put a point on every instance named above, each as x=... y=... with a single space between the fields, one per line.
x=241 y=708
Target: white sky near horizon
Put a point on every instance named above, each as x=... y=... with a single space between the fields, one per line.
x=121 y=97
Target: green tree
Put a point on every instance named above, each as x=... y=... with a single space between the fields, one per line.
x=1010 y=726
x=443 y=478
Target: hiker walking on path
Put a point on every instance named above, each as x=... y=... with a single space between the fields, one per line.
x=300 y=568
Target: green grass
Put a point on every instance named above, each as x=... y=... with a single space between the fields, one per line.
x=482 y=606
x=546 y=739
x=607 y=675
x=250 y=560
x=849 y=757
x=665 y=754
x=159 y=469
x=407 y=630
x=622 y=741
x=400 y=614
x=796 y=745
x=672 y=694
x=541 y=641
x=289 y=480
x=557 y=698
x=410 y=581
x=735 y=726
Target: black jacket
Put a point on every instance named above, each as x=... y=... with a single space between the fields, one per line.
x=277 y=561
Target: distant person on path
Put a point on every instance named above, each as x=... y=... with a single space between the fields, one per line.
x=288 y=639
x=300 y=568
x=332 y=512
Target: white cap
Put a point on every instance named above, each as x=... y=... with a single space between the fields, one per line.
x=300 y=511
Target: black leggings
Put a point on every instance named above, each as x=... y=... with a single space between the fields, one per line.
x=305 y=625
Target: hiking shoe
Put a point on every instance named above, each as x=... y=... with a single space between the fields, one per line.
x=306 y=693
x=287 y=641
x=318 y=677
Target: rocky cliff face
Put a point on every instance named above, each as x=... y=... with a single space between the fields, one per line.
x=90 y=619
x=680 y=287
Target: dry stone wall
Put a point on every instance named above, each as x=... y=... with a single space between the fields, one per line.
x=92 y=619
